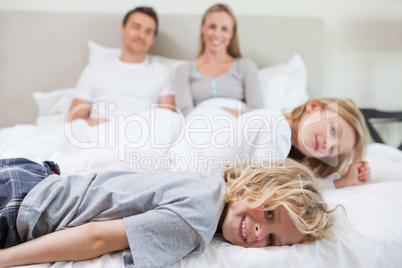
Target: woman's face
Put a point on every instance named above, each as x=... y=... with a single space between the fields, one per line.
x=217 y=31
x=254 y=228
x=324 y=133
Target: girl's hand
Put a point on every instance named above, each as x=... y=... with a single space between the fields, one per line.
x=364 y=172
x=358 y=174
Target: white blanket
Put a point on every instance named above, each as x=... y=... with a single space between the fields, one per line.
x=374 y=210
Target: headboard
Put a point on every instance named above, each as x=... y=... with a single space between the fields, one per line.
x=44 y=51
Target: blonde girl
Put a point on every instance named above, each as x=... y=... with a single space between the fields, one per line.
x=328 y=135
x=331 y=136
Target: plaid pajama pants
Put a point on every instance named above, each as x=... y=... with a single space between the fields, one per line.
x=17 y=177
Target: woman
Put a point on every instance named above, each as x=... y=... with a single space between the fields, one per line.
x=219 y=70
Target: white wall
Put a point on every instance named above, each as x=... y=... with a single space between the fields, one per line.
x=363 y=42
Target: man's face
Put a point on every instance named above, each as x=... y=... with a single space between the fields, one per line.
x=138 y=34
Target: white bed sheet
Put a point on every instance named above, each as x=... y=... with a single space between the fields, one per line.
x=374 y=209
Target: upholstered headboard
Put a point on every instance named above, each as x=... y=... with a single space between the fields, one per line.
x=44 y=51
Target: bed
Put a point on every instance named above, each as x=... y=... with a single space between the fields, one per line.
x=290 y=72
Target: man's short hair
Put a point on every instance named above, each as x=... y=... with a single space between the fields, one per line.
x=145 y=10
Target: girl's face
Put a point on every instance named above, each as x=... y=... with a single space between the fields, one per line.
x=254 y=228
x=324 y=133
x=217 y=31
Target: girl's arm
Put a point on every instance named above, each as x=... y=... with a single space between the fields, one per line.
x=78 y=243
x=358 y=174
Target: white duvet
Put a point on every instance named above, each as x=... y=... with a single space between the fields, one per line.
x=374 y=210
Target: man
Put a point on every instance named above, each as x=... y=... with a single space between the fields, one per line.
x=128 y=85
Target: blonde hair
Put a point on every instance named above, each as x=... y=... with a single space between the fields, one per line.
x=328 y=165
x=288 y=184
x=233 y=49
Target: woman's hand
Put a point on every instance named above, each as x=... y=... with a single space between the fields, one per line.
x=358 y=174
x=234 y=112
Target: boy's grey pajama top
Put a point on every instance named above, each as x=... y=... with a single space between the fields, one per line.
x=166 y=215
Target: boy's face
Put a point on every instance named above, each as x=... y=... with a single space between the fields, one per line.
x=254 y=228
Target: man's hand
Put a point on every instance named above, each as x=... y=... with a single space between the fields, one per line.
x=80 y=109
x=167 y=102
x=94 y=122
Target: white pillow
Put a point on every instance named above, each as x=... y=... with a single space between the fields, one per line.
x=53 y=105
x=99 y=53
x=172 y=64
x=284 y=86
x=53 y=102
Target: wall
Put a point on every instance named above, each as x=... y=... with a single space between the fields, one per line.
x=363 y=37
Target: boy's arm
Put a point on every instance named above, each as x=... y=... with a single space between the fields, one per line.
x=78 y=243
